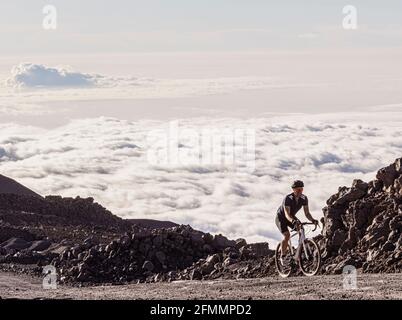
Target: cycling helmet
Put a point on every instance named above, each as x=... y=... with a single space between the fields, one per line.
x=297 y=184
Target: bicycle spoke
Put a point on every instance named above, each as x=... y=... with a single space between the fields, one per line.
x=310 y=263
x=284 y=269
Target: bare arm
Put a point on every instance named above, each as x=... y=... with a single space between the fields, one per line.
x=307 y=213
x=287 y=214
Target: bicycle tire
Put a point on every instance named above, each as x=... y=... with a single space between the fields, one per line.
x=279 y=265
x=319 y=260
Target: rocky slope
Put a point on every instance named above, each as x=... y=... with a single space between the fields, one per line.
x=88 y=244
x=363 y=224
x=11 y=186
x=152 y=255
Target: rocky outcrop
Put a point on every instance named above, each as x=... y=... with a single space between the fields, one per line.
x=363 y=224
x=150 y=255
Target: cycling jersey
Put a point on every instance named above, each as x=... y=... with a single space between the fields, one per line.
x=290 y=201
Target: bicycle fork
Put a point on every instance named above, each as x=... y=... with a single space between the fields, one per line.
x=301 y=245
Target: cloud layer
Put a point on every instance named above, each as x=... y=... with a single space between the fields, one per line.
x=106 y=158
x=31 y=84
x=31 y=75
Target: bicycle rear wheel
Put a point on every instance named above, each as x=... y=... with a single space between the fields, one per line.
x=310 y=258
x=283 y=270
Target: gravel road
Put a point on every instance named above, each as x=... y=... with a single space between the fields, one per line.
x=369 y=286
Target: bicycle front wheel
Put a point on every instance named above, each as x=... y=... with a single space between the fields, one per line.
x=283 y=270
x=310 y=258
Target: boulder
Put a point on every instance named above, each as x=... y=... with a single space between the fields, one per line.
x=215 y=258
x=39 y=245
x=160 y=256
x=388 y=246
x=229 y=261
x=15 y=243
x=398 y=165
x=387 y=175
x=207 y=268
x=220 y=242
x=195 y=275
x=339 y=237
x=260 y=249
x=148 y=266
x=351 y=194
x=240 y=243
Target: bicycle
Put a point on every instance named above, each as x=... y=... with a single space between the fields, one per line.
x=307 y=254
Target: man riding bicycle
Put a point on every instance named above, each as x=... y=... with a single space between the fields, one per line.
x=286 y=214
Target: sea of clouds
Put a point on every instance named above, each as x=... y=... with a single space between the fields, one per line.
x=107 y=158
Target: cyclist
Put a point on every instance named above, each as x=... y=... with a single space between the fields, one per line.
x=286 y=214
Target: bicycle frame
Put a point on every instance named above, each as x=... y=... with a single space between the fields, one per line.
x=304 y=253
x=300 y=245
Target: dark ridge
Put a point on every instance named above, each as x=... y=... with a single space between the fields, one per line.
x=152 y=224
x=10 y=186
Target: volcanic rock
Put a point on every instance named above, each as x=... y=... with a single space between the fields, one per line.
x=364 y=224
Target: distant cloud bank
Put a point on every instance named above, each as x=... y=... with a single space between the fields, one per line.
x=33 y=76
x=37 y=75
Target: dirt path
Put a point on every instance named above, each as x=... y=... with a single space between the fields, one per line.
x=377 y=286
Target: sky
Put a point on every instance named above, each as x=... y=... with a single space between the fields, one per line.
x=178 y=25
x=78 y=102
